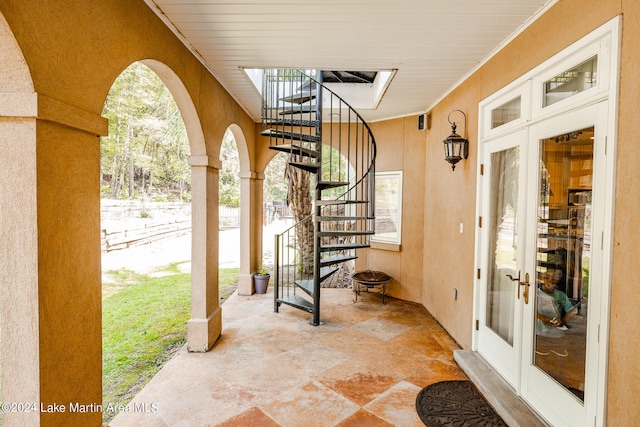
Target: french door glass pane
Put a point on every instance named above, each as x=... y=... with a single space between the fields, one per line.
x=563 y=257
x=503 y=241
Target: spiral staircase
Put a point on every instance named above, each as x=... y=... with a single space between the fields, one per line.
x=329 y=144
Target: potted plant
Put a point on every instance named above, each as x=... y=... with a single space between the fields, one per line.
x=261 y=280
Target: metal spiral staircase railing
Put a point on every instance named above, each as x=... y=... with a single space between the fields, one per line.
x=312 y=124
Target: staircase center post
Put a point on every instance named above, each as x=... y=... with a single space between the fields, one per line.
x=318 y=207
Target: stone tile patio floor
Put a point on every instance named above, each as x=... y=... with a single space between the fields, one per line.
x=364 y=366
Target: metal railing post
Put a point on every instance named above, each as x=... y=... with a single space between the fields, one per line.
x=276 y=267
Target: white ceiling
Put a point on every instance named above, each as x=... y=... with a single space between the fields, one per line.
x=432 y=44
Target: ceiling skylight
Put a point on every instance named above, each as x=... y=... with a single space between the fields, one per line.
x=361 y=89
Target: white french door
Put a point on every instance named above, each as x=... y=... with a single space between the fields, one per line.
x=502 y=253
x=543 y=210
x=566 y=220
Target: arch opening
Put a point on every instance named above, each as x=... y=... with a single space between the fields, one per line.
x=146 y=229
x=229 y=207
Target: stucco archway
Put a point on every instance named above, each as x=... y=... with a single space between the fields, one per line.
x=250 y=214
x=184 y=103
x=206 y=318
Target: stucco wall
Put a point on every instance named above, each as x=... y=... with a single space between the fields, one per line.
x=450 y=205
x=624 y=338
x=450 y=196
x=401 y=147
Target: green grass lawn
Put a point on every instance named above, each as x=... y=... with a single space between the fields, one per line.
x=144 y=322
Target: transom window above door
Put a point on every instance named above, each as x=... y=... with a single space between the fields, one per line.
x=506 y=112
x=571 y=82
x=579 y=76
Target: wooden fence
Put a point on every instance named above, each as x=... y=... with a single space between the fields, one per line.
x=147 y=233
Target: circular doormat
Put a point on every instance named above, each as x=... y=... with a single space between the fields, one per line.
x=455 y=403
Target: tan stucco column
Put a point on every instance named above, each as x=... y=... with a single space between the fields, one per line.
x=20 y=352
x=50 y=314
x=205 y=324
x=250 y=229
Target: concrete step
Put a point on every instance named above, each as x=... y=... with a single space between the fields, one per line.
x=500 y=395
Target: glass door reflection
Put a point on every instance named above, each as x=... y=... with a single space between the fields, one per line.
x=563 y=257
x=503 y=241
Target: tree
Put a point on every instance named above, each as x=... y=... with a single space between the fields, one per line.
x=299 y=200
x=275 y=184
x=147 y=149
x=300 y=194
x=229 y=182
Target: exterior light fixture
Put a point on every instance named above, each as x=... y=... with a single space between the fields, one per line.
x=456 y=147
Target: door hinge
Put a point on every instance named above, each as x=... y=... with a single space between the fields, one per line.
x=598 y=334
x=477 y=325
x=481 y=168
x=606 y=144
x=480 y=222
x=478 y=273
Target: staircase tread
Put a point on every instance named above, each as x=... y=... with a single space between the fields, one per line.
x=297 y=301
x=332 y=184
x=347 y=233
x=335 y=259
x=295 y=149
x=339 y=202
x=291 y=122
x=303 y=109
x=342 y=246
x=326 y=272
x=308 y=166
x=275 y=133
x=300 y=98
x=306 y=285
x=342 y=218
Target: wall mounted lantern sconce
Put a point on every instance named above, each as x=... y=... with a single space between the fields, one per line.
x=456 y=147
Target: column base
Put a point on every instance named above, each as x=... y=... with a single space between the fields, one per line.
x=245 y=284
x=203 y=333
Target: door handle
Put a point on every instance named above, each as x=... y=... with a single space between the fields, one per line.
x=526 y=285
x=516 y=279
x=526 y=288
